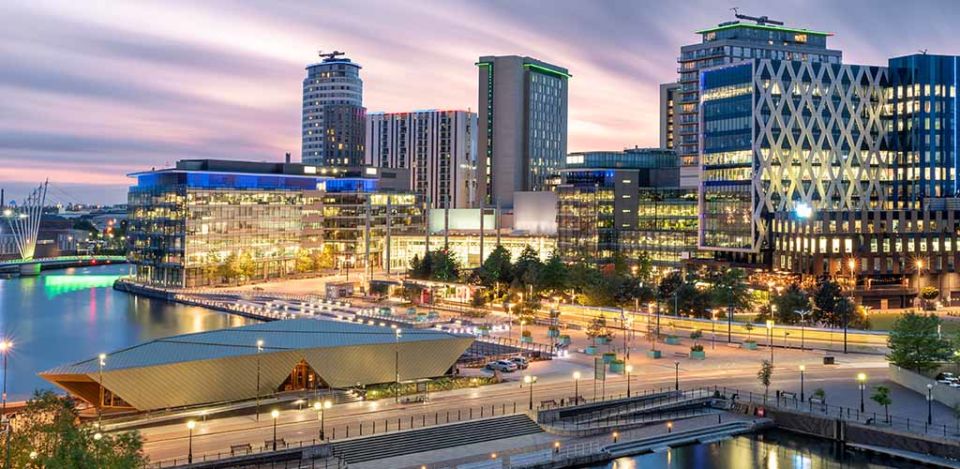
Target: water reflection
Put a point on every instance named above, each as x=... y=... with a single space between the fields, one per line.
x=65 y=316
x=771 y=450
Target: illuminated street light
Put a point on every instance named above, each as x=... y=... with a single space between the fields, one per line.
x=275 y=414
x=628 y=369
x=770 y=340
x=530 y=380
x=102 y=362
x=862 y=383
x=320 y=414
x=190 y=426
x=396 y=360
x=259 y=349
x=802 y=369
x=576 y=387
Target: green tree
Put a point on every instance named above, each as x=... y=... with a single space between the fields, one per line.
x=303 y=261
x=49 y=425
x=881 y=395
x=527 y=268
x=325 y=258
x=496 y=269
x=230 y=269
x=554 y=278
x=730 y=290
x=749 y=328
x=246 y=266
x=479 y=298
x=915 y=344
x=833 y=308
x=764 y=376
x=788 y=302
x=598 y=328
x=212 y=269
x=692 y=300
x=444 y=266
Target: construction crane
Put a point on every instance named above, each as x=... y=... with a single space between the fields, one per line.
x=331 y=55
x=760 y=20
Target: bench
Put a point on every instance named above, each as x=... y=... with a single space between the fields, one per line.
x=733 y=345
x=788 y=395
x=548 y=403
x=681 y=355
x=268 y=444
x=243 y=449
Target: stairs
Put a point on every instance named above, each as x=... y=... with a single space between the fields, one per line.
x=433 y=438
x=662 y=442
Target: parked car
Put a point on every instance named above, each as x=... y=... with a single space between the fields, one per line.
x=946 y=378
x=521 y=362
x=505 y=366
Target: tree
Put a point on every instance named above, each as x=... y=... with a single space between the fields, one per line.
x=230 y=269
x=915 y=344
x=325 y=259
x=692 y=300
x=496 y=269
x=668 y=285
x=929 y=293
x=49 y=426
x=553 y=279
x=832 y=308
x=764 y=375
x=479 y=298
x=788 y=302
x=303 y=261
x=730 y=290
x=598 y=328
x=881 y=395
x=749 y=328
x=246 y=266
x=695 y=336
x=527 y=268
x=212 y=269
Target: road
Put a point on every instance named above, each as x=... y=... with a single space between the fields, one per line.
x=556 y=383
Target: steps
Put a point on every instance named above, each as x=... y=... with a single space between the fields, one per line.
x=433 y=438
x=661 y=442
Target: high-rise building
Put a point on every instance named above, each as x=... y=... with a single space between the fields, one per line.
x=438 y=147
x=522 y=138
x=328 y=135
x=730 y=42
x=627 y=203
x=668 y=104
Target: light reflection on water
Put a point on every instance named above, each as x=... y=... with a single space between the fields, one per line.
x=769 y=450
x=64 y=316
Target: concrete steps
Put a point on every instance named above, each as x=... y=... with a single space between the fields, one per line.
x=433 y=438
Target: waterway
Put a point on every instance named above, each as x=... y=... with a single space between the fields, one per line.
x=64 y=316
x=772 y=449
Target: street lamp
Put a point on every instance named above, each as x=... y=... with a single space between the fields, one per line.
x=770 y=340
x=397 y=333
x=320 y=407
x=803 y=317
x=259 y=349
x=190 y=426
x=802 y=369
x=676 y=384
x=275 y=414
x=929 y=404
x=530 y=380
x=628 y=369
x=713 y=327
x=576 y=387
x=102 y=363
x=862 y=382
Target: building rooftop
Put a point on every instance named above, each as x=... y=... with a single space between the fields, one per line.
x=765 y=27
x=277 y=336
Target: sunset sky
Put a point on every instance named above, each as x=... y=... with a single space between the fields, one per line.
x=93 y=90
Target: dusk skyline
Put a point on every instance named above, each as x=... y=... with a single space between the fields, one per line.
x=94 y=91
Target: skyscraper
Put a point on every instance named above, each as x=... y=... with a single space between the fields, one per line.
x=330 y=138
x=729 y=42
x=523 y=126
x=438 y=147
x=668 y=104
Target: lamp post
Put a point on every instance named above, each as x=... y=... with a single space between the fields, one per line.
x=676 y=382
x=576 y=387
x=275 y=414
x=929 y=404
x=5 y=346
x=713 y=327
x=396 y=361
x=802 y=369
x=628 y=369
x=530 y=380
x=320 y=407
x=102 y=363
x=803 y=317
x=190 y=426
x=259 y=349
x=770 y=338
x=862 y=383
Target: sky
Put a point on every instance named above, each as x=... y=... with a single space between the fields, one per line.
x=91 y=91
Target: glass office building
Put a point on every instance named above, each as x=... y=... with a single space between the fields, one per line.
x=187 y=222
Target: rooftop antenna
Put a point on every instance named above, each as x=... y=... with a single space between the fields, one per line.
x=331 y=55
x=923 y=51
x=761 y=20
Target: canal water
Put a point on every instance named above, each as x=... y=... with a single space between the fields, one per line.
x=64 y=316
x=772 y=449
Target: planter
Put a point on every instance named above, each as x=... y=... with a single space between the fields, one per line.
x=590 y=350
x=565 y=339
x=653 y=354
x=603 y=340
x=749 y=345
x=484 y=331
x=553 y=333
x=672 y=340
x=616 y=367
x=526 y=339
x=698 y=354
x=609 y=357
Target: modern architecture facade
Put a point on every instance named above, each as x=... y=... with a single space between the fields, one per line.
x=668 y=105
x=332 y=112
x=626 y=203
x=186 y=223
x=438 y=147
x=730 y=42
x=522 y=137
x=228 y=365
